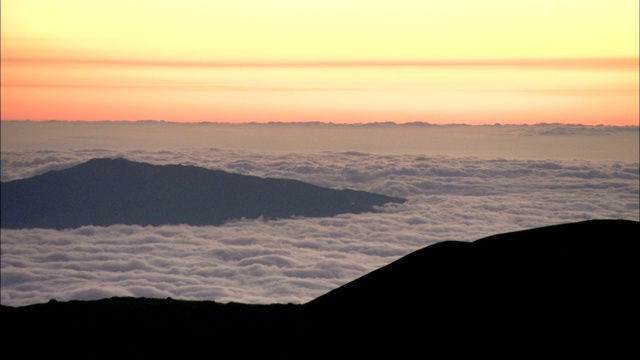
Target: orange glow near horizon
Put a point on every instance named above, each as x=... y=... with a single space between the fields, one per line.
x=333 y=61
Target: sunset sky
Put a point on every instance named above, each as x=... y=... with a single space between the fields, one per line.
x=342 y=61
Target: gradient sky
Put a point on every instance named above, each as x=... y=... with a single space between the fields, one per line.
x=453 y=61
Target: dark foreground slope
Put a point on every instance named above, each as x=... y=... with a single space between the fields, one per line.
x=535 y=286
x=568 y=289
x=117 y=191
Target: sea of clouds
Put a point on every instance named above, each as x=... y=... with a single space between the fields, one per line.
x=293 y=261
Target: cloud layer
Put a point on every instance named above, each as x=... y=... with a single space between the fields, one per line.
x=449 y=198
x=535 y=142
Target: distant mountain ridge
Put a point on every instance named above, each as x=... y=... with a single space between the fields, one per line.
x=117 y=191
x=563 y=289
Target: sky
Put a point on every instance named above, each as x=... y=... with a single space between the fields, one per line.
x=356 y=61
x=342 y=94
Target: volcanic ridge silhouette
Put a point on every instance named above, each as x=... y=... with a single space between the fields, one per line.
x=104 y=192
x=567 y=289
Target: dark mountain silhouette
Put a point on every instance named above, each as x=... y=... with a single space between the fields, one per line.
x=117 y=191
x=572 y=276
x=569 y=289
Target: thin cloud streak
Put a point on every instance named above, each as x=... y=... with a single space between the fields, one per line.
x=594 y=91
x=623 y=63
x=195 y=87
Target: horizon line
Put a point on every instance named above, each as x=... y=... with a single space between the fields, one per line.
x=572 y=62
x=376 y=123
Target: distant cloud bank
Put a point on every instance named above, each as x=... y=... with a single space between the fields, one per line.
x=527 y=142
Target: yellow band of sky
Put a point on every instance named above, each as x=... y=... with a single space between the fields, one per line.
x=162 y=52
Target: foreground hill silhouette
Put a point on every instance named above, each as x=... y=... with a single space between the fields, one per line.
x=568 y=289
x=117 y=191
